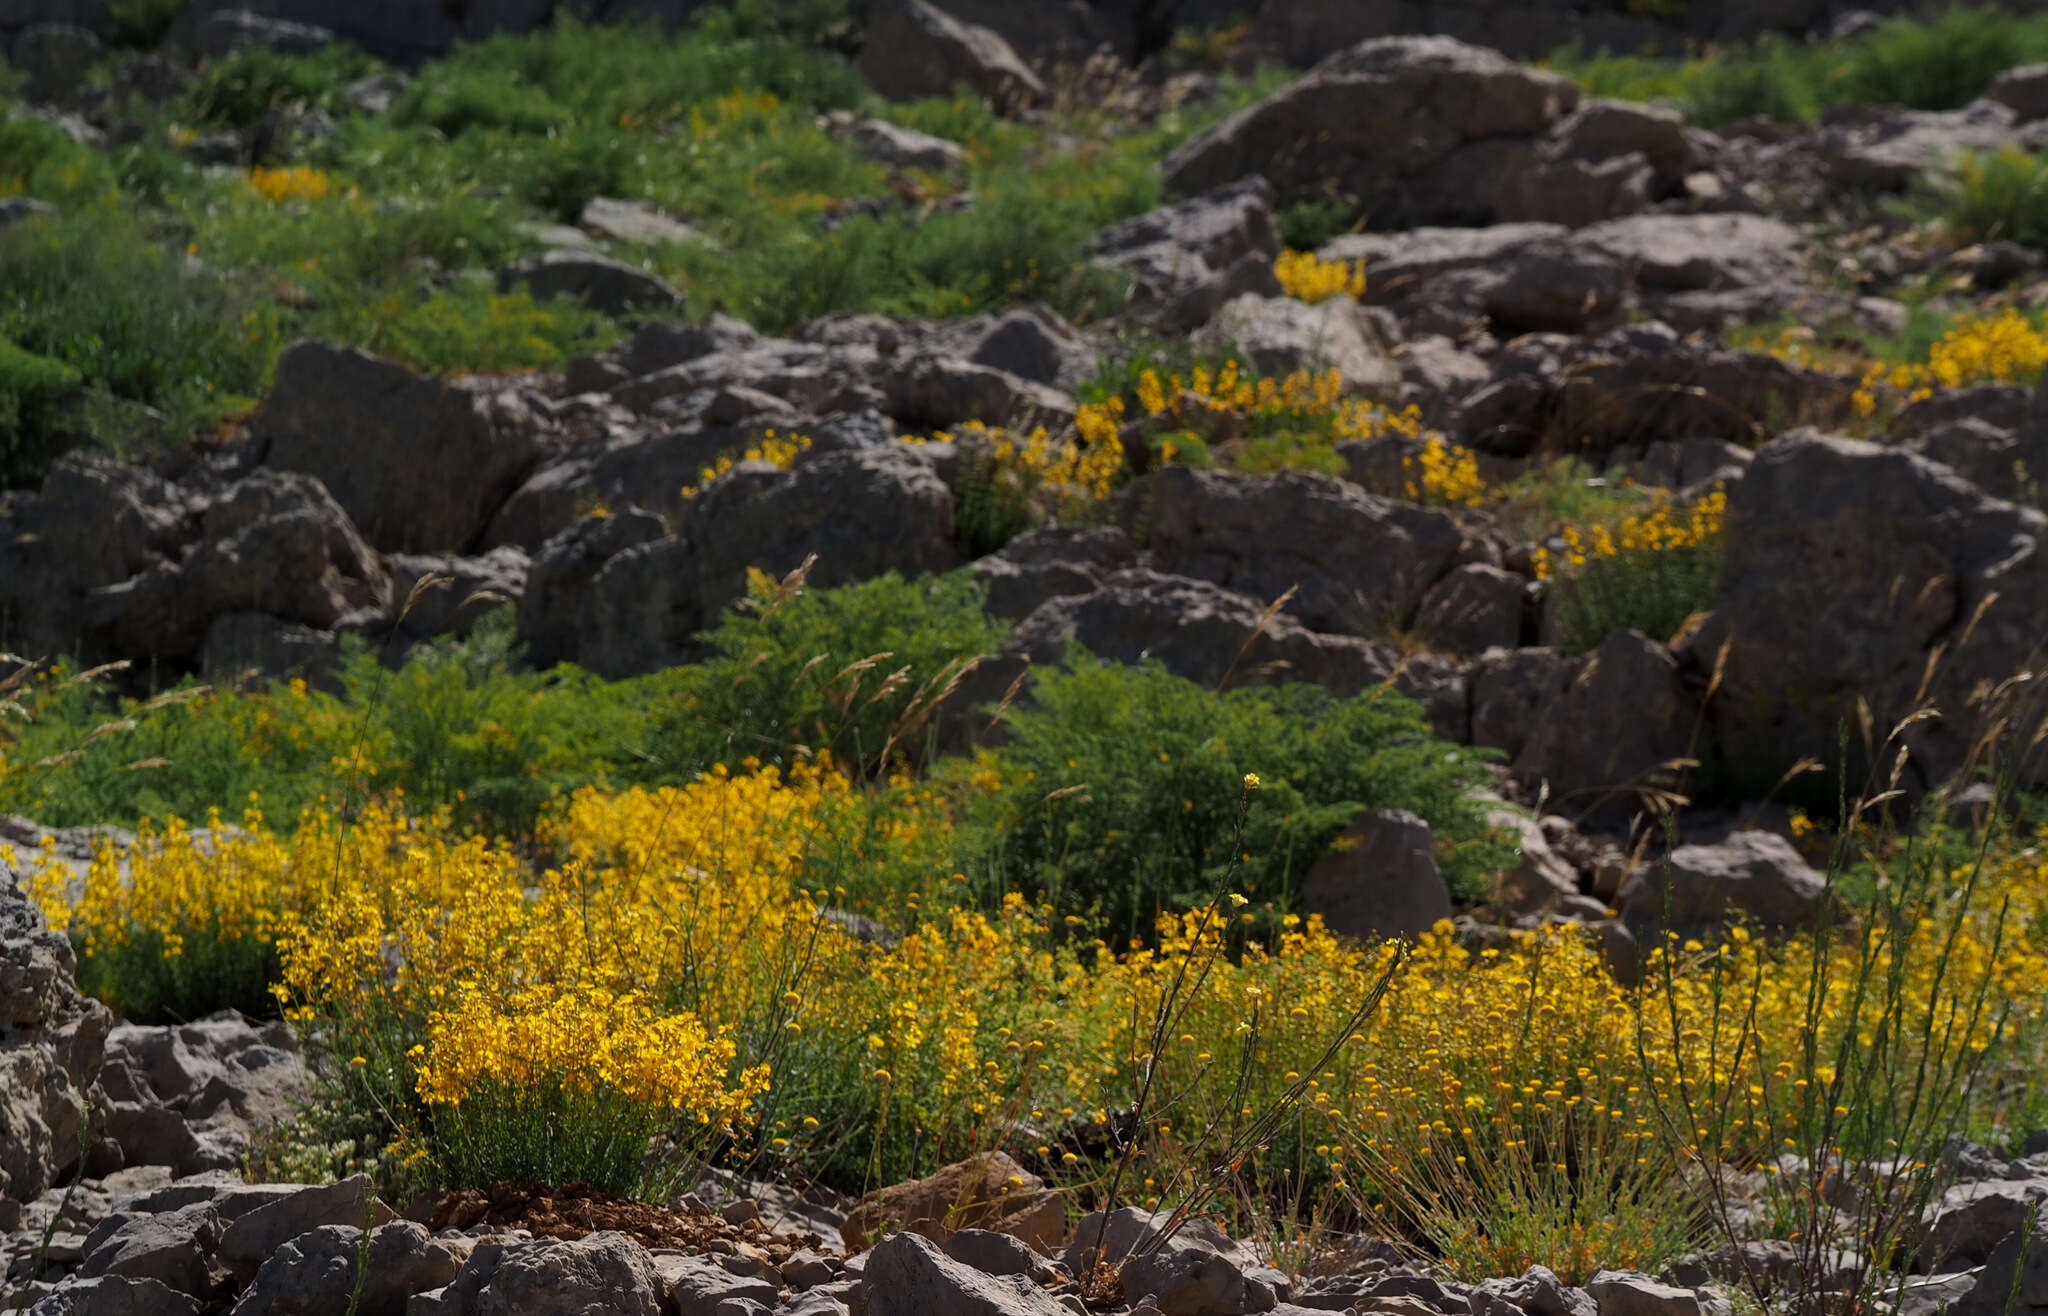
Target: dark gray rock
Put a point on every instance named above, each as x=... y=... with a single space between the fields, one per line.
x=1380 y=879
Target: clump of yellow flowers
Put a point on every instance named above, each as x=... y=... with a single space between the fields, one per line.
x=1009 y=482
x=778 y=450
x=1444 y=475
x=1261 y=425
x=1662 y=529
x=1307 y=277
x=292 y=183
x=1651 y=571
x=2005 y=348
x=676 y=982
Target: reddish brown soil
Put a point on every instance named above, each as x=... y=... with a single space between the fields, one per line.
x=575 y=1210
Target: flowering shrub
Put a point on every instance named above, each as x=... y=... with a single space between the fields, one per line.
x=2005 y=348
x=778 y=450
x=1258 y=425
x=1307 y=277
x=1444 y=475
x=1008 y=483
x=1651 y=571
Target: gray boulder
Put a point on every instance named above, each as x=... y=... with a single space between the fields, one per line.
x=190 y=1096
x=603 y=283
x=1632 y=1293
x=440 y=594
x=2014 y=1279
x=605 y=1274
x=906 y=148
x=1511 y=689
x=1421 y=130
x=1358 y=563
x=1941 y=574
x=1889 y=149
x=633 y=221
x=1967 y=1223
x=51 y=1043
x=253 y=1237
x=2023 y=89
x=274 y=542
x=1606 y=746
x=908 y=1275
x=317 y=1269
x=914 y=49
x=1380 y=878
x=553 y=616
x=115 y=1295
x=174 y=1248
x=420 y=464
x=1279 y=335
x=1475 y=608
x=1188 y=258
x=1752 y=875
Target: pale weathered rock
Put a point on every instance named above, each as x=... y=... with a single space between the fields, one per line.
x=1631 y=1293
x=317 y=1269
x=2023 y=89
x=914 y=49
x=1754 y=875
x=907 y=1275
x=254 y=1236
x=633 y=221
x=51 y=1042
x=1541 y=879
x=1185 y=252
x=1279 y=335
x=698 y=1286
x=991 y=1192
x=190 y=1095
x=1539 y=1292
x=994 y=1253
x=174 y=1248
x=1379 y=879
x=605 y=1274
x=906 y=148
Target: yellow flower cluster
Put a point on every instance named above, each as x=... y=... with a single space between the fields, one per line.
x=1297 y=420
x=1444 y=475
x=1084 y=467
x=292 y=183
x=778 y=450
x=1307 y=277
x=2005 y=348
x=1662 y=529
x=586 y=1040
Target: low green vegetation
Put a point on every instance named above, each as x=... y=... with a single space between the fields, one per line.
x=1928 y=63
x=181 y=282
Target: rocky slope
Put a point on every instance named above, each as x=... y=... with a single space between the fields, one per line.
x=1550 y=275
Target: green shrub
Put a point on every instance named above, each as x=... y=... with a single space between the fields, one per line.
x=1307 y=225
x=469 y=327
x=92 y=291
x=456 y=100
x=1116 y=794
x=856 y=671
x=453 y=727
x=1941 y=64
x=2000 y=194
x=1650 y=571
x=35 y=395
x=240 y=88
x=1780 y=80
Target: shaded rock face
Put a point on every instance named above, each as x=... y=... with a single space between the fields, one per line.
x=418 y=464
x=1429 y=130
x=916 y=49
x=1896 y=561
x=51 y=1043
x=1380 y=879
